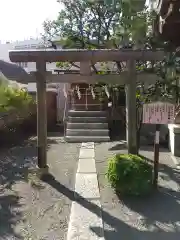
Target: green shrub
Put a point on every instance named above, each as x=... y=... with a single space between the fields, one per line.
x=130 y=174
x=17 y=98
x=13 y=98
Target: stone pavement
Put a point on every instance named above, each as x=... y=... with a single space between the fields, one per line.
x=83 y=219
x=36 y=211
x=98 y=213
x=45 y=212
x=152 y=218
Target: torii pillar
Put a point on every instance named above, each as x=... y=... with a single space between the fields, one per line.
x=41 y=116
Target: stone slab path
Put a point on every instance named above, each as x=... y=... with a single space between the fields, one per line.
x=86 y=208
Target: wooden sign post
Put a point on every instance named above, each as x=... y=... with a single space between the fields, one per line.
x=158 y=113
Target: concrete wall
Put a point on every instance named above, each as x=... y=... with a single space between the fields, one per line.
x=148 y=132
x=174 y=139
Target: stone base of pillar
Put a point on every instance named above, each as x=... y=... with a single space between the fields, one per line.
x=38 y=172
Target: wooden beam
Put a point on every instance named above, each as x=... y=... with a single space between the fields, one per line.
x=91 y=79
x=85 y=68
x=80 y=55
x=66 y=71
x=41 y=115
x=108 y=79
x=131 y=126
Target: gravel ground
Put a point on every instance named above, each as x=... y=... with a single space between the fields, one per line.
x=152 y=218
x=34 y=210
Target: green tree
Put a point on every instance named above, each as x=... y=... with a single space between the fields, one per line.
x=88 y=24
x=117 y=24
x=94 y=24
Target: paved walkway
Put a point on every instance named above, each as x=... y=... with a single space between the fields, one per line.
x=36 y=211
x=86 y=207
x=157 y=217
x=45 y=212
x=97 y=212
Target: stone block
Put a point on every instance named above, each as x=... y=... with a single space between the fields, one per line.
x=86 y=153
x=87 y=186
x=83 y=221
x=86 y=165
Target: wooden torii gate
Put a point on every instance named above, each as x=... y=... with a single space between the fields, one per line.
x=86 y=59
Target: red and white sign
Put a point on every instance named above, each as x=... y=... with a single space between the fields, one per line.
x=158 y=113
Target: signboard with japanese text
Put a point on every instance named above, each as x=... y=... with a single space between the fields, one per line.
x=158 y=113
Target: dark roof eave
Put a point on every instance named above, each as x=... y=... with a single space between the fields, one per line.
x=13 y=72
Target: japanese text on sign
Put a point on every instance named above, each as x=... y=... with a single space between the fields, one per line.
x=158 y=113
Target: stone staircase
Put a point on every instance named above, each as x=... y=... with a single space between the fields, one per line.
x=87 y=126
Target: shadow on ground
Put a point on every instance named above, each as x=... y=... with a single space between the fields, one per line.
x=152 y=218
x=163 y=208
x=9 y=216
x=122 y=146
x=15 y=160
x=159 y=218
x=16 y=157
x=166 y=172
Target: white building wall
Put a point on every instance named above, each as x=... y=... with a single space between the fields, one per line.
x=4 y=51
x=20 y=45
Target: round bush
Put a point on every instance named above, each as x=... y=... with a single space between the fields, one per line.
x=130 y=174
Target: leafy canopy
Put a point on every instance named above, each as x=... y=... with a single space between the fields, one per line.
x=115 y=24
x=89 y=24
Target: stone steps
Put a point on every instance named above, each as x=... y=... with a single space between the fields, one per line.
x=87 y=126
x=75 y=113
x=77 y=139
x=87 y=119
x=87 y=132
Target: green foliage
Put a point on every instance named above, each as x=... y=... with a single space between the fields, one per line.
x=129 y=174
x=13 y=98
x=116 y=24
x=96 y=24
x=63 y=65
